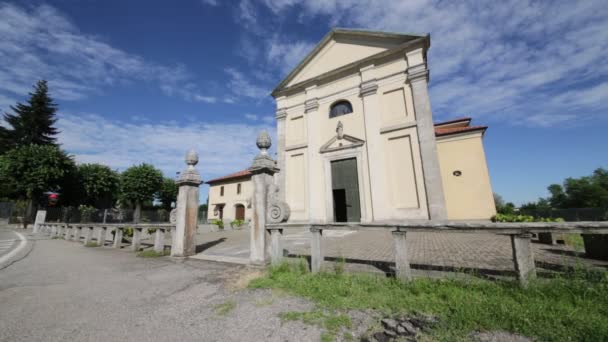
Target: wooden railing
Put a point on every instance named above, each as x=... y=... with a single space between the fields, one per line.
x=520 y=233
x=74 y=231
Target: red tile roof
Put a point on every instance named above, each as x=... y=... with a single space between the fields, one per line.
x=240 y=174
x=439 y=132
x=442 y=131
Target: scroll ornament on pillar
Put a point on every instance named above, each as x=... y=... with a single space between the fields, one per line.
x=278 y=211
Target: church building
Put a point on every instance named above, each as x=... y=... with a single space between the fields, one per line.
x=357 y=142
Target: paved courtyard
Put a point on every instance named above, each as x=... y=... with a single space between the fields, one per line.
x=429 y=253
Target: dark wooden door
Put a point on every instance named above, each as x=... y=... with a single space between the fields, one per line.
x=345 y=190
x=240 y=212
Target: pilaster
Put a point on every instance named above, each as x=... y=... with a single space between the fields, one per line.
x=417 y=76
x=281 y=117
x=316 y=186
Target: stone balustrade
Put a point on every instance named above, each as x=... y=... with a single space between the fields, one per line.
x=74 y=231
x=520 y=233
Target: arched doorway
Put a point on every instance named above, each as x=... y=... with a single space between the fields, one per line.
x=239 y=212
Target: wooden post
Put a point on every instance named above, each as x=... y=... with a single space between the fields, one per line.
x=159 y=240
x=402 y=264
x=117 y=237
x=276 y=249
x=316 y=249
x=523 y=258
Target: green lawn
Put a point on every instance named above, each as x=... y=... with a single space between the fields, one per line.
x=573 y=307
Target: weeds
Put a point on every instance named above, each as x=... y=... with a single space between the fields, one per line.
x=91 y=244
x=573 y=306
x=152 y=254
x=224 y=308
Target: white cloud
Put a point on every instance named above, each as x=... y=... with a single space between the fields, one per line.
x=251 y=117
x=517 y=59
x=242 y=86
x=210 y=2
x=42 y=43
x=223 y=148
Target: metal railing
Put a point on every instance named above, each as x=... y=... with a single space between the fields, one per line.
x=520 y=234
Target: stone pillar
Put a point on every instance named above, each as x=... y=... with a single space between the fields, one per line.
x=117 y=237
x=159 y=240
x=136 y=240
x=40 y=218
x=316 y=249
x=183 y=241
x=101 y=236
x=77 y=230
x=402 y=263
x=276 y=248
x=88 y=235
x=281 y=115
x=262 y=169
x=67 y=232
x=523 y=258
x=53 y=230
x=417 y=76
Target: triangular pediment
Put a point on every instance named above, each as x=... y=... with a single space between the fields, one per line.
x=341 y=141
x=341 y=47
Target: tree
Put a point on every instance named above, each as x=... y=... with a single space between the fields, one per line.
x=31 y=123
x=99 y=184
x=138 y=184
x=167 y=193
x=502 y=207
x=32 y=170
x=584 y=192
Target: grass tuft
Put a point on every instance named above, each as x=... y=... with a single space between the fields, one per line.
x=152 y=254
x=573 y=306
x=224 y=308
x=91 y=244
x=330 y=321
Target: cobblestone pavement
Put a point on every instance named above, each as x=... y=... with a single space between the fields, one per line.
x=482 y=253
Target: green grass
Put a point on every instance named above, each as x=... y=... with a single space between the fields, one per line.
x=153 y=254
x=572 y=307
x=575 y=241
x=224 y=308
x=91 y=244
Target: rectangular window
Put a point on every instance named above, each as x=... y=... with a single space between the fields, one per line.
x=238 y=189
x=222 y=190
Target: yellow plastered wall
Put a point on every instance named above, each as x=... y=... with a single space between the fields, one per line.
x=468 y=196
x=230 y=199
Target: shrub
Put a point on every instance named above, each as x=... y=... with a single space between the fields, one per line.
x=523 y=218
x=218 y=223
x=237 y=223
x=86 y=213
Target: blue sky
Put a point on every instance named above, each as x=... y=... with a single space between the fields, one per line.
x=144 y=81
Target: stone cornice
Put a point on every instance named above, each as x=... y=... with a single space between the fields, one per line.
x=368 y=88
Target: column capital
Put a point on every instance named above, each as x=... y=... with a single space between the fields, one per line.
x=311 y=105
x=281 y=114
x=369 y=87
x=418 y=73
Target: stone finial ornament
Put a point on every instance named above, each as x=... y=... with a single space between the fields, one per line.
x=190 y=175
x=191 y=159
x=340 y=130
x=263 y=142
x=263 y=161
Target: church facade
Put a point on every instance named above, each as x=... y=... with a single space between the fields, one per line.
x=357 y=142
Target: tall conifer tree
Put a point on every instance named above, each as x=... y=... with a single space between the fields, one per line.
x=31 y=123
